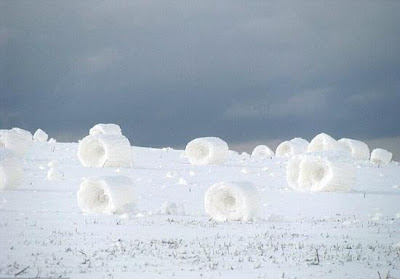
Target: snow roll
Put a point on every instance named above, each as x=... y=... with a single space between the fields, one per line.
x=322 y=171
x=105 y=151
x=290 y=148
x=227 y=201
x=324 y=142
x=108 y=129
x=17 y=140
x=11 y=171
x=262 y=151
x=107 y=195
x=381 y=156
x=40 y=136
x=207 y=151
x=358 y=149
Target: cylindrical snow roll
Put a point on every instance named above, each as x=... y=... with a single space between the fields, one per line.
x=207 y=151
x=108 y=129
x=11 y=171
x=105 y=151
x=262 y=151
x=228 y=201
x=16 y=139
x=358 y=149
x=108 y=195
x=290 y=148
x=324 y=142
x=381 y=156
x=40 y=136
x=322 y=171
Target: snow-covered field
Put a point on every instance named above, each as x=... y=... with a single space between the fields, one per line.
x=43 y=232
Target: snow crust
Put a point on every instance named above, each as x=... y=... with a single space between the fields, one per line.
x=107 y=195
x=230 y=201
x=207 y=151
x=103 y=150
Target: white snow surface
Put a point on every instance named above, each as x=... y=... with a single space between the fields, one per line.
x=108 y=195
x=207 y=151
x=293 y=147
x=381 y=156
x=108 y=129
x=43 y=232
x=321 y=171
x=262 y=152
x=40 y=136
x=11 y=171
x=232 y=201
x=358 y=149
x=103 y=150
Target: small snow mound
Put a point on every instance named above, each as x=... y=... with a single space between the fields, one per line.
x=324 y=142
x=321 y=172
x=11 y=171
x=182 y=181
x=262 y=152
x=171 y=208
x=290 y=148
x=52 y=141
x=111 y=194
x=40 y=136
x=105 y=151
x=171 y=174
x=358 y=149
x=54 y=174
x=107 y=129
x=207 y=151
x=17 y=140
x=227 y=201
x=381 y=156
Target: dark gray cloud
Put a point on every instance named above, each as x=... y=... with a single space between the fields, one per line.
x=171 y=71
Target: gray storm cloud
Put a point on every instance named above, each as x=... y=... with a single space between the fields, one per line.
x=169 y=72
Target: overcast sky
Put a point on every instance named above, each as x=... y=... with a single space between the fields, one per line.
x=169 y=71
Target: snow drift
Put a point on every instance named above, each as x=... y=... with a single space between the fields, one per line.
x=207 y=151
x=358 y=149
x=381 y=156
x=11 y=171
x=322 y=171
x=105 y=151
x=16 y=139
x=324 y=142
x=226 y=201
x=108 y=129
x=262 y=151
x=40 y=136
x=293 y=147
x=108 y=195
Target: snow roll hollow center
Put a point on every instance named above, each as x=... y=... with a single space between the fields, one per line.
x=94 y=152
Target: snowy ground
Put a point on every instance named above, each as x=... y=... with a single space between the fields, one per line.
x=298 y=235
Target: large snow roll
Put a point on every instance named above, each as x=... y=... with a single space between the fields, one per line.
x=110 y=194
x=108 y=129
x=381 y=156
x=293 y=147
x=262 y=151
x=227 y=201
x=207 y=151
x=324 y=142
x=323 y=171
x=105 y=151
x=11 y=171
x=358 y=149
x=40 y=136
x=16 y=139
